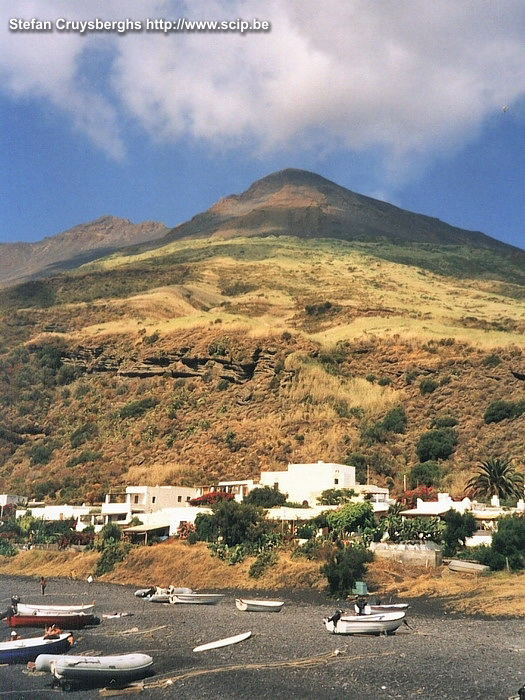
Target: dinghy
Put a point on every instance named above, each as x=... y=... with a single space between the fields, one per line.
x=29 y=609
x=74 y=671
x=197 y=598
x=370 y=609
x=467 y=567
x=224 y=642
x=157 y=594
x=258 y=605
x=71 y=621
x=381 y=623
x=20 y=651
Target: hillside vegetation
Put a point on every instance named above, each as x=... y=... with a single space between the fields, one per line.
x=205 y=360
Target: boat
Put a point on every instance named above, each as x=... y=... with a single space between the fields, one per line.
x=20 y=651
x=157 y=594
x=71 y=621
x=224 y=642
x=381 y=623
x=371 y=609
x=72 y=671
x=467 y=567
x=197 y=598
x=258 y=605
x=29 y=609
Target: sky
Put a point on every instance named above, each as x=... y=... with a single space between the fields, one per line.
x=420 y=103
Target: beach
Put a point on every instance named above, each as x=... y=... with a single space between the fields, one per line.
x=290 y=655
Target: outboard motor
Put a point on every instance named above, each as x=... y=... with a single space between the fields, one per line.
x=521 y=693
x=361 y=603
x=15 y=599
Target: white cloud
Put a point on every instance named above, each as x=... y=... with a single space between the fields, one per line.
x=413 y=77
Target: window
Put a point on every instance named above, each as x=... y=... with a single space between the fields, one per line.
x=276 y=486
x=179 y=499
x=188 y=498
x=153 y=499
x=336 y=481
x=136 y=498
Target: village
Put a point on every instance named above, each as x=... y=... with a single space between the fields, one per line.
x=147 y=514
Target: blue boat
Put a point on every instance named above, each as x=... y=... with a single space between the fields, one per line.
x=20 y=651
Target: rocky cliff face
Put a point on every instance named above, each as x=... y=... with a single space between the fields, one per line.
x=23 y=261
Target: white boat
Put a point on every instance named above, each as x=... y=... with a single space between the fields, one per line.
x=258 y=605
x=381 y=623
x=156 y=594
x=27 y=649
x=197 y=598
x=467 y=567
x=72 y=671
x=29 y=609
x=370 y=609
x=223 y=642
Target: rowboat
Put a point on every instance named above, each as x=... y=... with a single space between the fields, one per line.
x=467 y=567
x=379 y=608
x=381 y=623
x=156 y=594
x=258 y=605
x=223 y=642
x=20 y=651
x=71 y=621
x=197 y=598
x=71 y=671
x=29 y=609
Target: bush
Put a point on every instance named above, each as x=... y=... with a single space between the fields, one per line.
x=500 y=410
x=427 y=386
x=263 y=561
x=112 y=554
x=458 y=527
x=491 y=360
x=265 y=497
x=346 y=566
x=335 y=497
x=85 y=432
x=444 y=422
x=135 y=409
x=41 y=452
x=351 y=518
x=509 y=541
x=84 y=457
x=426 y=473
x=395 y=420
x=436 y=444
x=210 y=498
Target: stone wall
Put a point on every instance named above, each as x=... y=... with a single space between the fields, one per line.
x=411 y=554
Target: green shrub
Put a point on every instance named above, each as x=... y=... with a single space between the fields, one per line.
x=427 y=386
x=444 y=422
x=265 y=497
x=335 y=497
x=500 y=410
x=263 y=561
x=345 y=566
x=458 y=526
x=84 y=457
x=395 y=420
x=85 y=432
x=40 y=452
x=436 y=444
x=135 y=409
x=491 y=360
x=111 y=554
x=222 y=385
x=427 y=473
x=509 y=541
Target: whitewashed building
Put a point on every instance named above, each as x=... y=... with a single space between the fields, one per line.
x=139 y=501
x=304 y=483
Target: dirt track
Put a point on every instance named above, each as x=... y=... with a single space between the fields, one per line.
x=444 y=657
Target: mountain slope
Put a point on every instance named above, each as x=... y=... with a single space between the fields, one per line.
x=299 y=203
x=78 y=245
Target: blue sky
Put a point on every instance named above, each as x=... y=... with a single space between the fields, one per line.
x=401 y=101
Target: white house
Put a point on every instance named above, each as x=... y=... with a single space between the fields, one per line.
x=84 y=515
x=305 y=482
x=140 y=501
x=10 y=499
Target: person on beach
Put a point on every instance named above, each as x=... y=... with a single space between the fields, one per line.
x=43 y=584
x=52 y=632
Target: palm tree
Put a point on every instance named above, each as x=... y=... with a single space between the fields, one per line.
x=497 y=477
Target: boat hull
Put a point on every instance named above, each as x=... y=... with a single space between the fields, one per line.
x=29 y=609
x=385 y=623
x=96 y=670
x=73 y=621
x=375 y=609
x=197 y=598
x=468 y=567
x=258 y=605
x=21 y=651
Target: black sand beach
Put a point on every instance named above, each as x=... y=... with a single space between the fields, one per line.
x=445 y=657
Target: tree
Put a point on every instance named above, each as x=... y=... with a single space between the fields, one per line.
x=509 y=541
x=436 y=444
x=458 y=526
x=237 y=523
x=496 y=477
x=345 y=566
x=351 y=517
x=265 y=497
x=426 y=473
x=335 y=497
